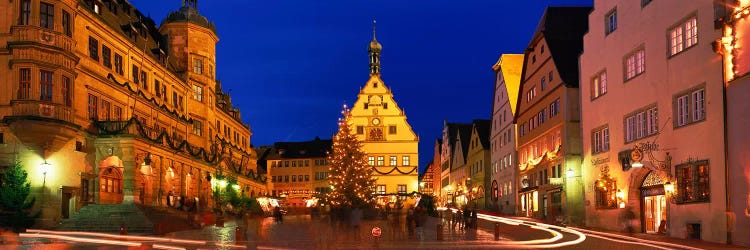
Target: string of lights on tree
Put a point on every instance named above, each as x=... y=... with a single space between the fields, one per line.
x=352 y=184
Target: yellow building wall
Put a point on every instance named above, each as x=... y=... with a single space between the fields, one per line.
x=375 y=101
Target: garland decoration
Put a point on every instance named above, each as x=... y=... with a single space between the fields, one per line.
x=393 y=169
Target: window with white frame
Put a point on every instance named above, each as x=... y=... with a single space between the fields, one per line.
x=198 y=93
x=198 y=66
x=599 y=84
x=635 y=63
x=381 y=189
x=610 y=21
x=600 y=137
x=554 y=108
x=381 y=160
x=405 y=161
x=641 y=124
x=683 y=36
x=690 y=107
x=531 y=94
x=371 y=160
x=197 y=127
x=401 y=189
x=394 y=160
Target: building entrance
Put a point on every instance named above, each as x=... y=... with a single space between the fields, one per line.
x=654 y=204
x=655 y=213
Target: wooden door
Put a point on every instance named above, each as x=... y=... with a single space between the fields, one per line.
x=65 y=205
x=649 y=212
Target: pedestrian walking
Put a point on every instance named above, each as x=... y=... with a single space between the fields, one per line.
x=467 y=217
x=474 y=218
x=626 y=219
x=354 y=219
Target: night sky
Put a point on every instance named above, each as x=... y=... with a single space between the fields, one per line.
x=291 y=65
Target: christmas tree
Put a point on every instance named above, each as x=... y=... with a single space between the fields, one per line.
x=15 y=200
x=351 y=180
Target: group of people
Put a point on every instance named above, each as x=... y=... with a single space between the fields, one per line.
x=464 y=219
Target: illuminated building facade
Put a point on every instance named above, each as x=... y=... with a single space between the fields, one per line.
x=459 y=177
x=387 y=138
x=102 y=106
x=298 y=170
x=548 y=118
x=733 y=46
x=477 y=164
x=653 y=119
x=503 y=171
x=431 y=176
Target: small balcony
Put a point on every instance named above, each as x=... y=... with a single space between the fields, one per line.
x=41 y=109
x=33 y=34
x=42 y=125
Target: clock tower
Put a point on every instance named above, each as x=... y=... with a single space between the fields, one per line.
x=387 y=138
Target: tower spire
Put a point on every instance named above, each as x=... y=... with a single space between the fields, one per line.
x=374 y=50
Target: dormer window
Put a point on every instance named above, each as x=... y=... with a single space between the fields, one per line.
x=97 y=8
x=132 y=32
x=142 y=29
x=112 y=6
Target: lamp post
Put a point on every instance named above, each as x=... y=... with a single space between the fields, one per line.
x=45 y=167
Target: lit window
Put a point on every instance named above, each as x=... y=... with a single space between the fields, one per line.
x=605 y=193
x=381 y=160
x=683 y=36
x=198 y=66
x=635 y=64
x=381 y=189
x=405 y=161
x=371 y=160
x=394 y=160
x=692 y=182
x=198 y=93
x=401 y=189
x=197 y=127
x=599 y=84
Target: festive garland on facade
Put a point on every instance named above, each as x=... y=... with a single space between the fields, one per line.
x=237 y=169
x=163 y=137
x=152 y=100
x=393 y=169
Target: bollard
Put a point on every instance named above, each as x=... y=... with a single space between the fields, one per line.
x=439 y=231
x=497 y=231
x=123 y=230
x=239 y=235
x=159 y=228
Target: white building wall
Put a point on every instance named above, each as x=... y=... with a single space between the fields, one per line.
x=665 y=76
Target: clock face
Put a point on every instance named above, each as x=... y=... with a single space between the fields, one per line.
x=375 y=121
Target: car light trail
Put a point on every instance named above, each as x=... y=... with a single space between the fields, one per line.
x=126 y=237
x=629 y=239
x=78 y=239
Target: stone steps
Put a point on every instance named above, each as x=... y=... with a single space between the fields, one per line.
x=108 y=218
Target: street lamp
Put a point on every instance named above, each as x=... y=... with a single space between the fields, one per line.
x=45 y=167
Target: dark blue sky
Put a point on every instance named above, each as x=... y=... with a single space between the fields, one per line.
x=291 y=65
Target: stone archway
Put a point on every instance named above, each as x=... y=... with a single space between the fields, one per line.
x=110 y=180
x=634 y=199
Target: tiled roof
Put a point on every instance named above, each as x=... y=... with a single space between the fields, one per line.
x=308 y=149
